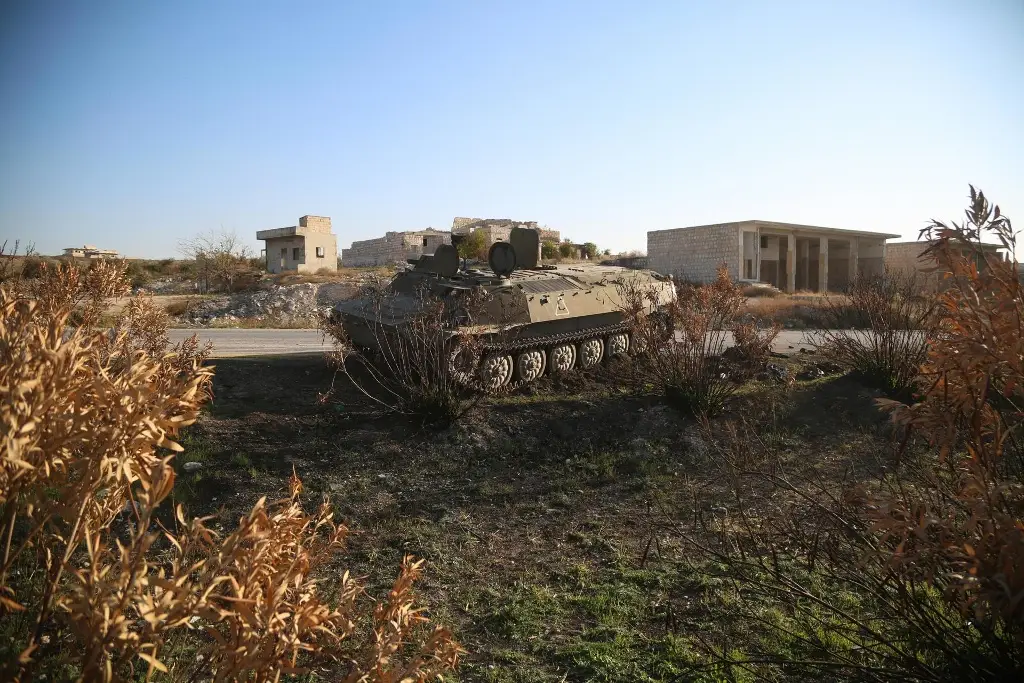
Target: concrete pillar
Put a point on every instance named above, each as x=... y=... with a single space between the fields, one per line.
x=822 y=264
x=854 y=258
x=739 y=271
x=805 y=254
x=790 y=263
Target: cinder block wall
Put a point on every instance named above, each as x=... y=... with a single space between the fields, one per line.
x=694 y=254
x=321 y=224
x=905 y=257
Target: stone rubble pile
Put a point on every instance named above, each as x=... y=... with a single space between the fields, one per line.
x=280 y=304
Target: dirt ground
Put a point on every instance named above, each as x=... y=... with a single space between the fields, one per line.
x=542 y=518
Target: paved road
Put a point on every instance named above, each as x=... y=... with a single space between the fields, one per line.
x=230 y=342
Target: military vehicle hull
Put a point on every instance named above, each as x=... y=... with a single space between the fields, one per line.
x=508 y=325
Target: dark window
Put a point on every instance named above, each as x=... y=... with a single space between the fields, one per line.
x=296 y=251
x=764 y=242
x=319 y=252
x=424 y=241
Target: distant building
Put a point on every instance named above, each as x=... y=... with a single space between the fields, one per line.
x=786 y=255
x=90 y=252
x=393 y=247
x=498 y=229
x=908 y=258
x=304 y=248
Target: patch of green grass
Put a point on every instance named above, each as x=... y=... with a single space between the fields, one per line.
x=585 y=624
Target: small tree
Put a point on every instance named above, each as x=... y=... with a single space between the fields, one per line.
x=221 y=258
x=473 y=246
x=589 y=249
x=566 y=249
x=549 y=250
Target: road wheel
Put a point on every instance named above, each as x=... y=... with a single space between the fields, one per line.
x=617 y=345
x=562 y=358
x=496 y=371
x=590 y=353
x=530 y=365
x=462 y=364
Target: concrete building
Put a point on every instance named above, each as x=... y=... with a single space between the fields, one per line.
x=789 y=256
x=305 y=248
x=394 y=247
x=498 y=229
x=88 y=251
x=908 y=259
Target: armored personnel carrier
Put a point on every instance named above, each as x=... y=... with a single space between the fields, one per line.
x=525 y=319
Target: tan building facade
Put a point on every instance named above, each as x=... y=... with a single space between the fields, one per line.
x=394 y=247
x=789 y=256
x=304 y=248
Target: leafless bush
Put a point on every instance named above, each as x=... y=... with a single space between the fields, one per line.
x=412 y=361
x=887 y=326
x=806 y=584
x=681 y=346
x=90 y=422
x=222 y=262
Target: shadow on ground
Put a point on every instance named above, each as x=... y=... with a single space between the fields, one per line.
x=536 y=515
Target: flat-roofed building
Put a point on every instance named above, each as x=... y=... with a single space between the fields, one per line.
x=304 y=248
x=789 y=256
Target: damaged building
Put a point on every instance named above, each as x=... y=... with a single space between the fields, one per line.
x=498 y=229
x=393 y=247
x=788 y=256
x=304 y=248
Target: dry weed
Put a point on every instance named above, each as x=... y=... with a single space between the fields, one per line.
x=681 y=347
x=93 y=587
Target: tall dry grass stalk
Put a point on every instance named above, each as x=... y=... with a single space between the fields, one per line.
x=93 y=586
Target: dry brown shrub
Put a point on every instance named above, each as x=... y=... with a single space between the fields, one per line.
x=752 y=347
x=93 y=587
x=920 y=574
x=879 y=330
x=423 y=358
x=681 y=347
x=760 y=291
x=966 y=533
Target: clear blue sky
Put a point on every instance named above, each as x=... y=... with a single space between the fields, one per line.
x=131 y=124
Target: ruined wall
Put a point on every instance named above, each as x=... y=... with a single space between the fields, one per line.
x=394 y=247
x=461 y=226
x=694 y=254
